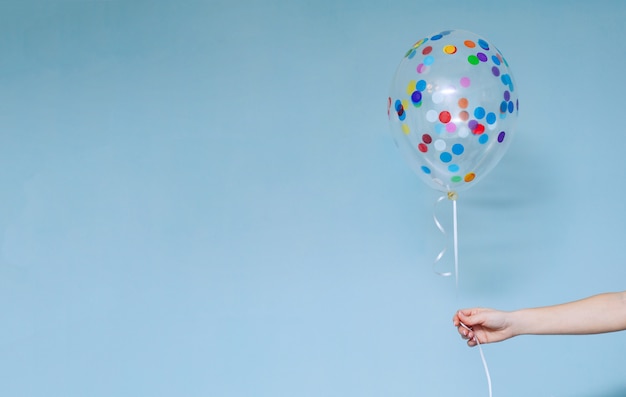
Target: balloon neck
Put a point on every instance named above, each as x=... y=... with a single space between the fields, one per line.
x=452 y=195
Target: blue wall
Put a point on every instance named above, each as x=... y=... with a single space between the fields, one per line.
x=202 y=198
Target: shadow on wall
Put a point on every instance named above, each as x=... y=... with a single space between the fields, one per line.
x=617 y=391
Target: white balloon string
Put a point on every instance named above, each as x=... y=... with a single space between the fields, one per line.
x=456 y=245
x=482 y=356
x=443 y=231
x=451 y=196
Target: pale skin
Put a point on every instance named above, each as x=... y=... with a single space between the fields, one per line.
x=593 y=315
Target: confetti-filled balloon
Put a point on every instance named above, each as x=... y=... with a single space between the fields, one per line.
x=452 y=108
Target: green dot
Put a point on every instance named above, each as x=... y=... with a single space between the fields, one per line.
x=473 y=59
x=456 y=178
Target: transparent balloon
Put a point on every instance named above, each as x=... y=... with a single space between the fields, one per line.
x=452 y=108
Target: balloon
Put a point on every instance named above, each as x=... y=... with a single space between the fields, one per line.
x=452 y=108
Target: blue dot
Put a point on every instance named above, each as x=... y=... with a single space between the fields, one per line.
x=445 y=157
x=402 y=116
x=425 y=169
x=416 y=97
x=491 y=118
x=398 y=105
x=483 y=139
x=429 y=60
x=479 y=112
x=421 y=85
x=411 y=53
x=506 y=79
x=453 y=168
x=436 y=37
x=440 y=128
x=495 y=60
x=483 y=44
x=458 y=149
x=511 y=107
x=503 y=106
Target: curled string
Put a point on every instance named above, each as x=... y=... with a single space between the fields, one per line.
x=482 y=356
x=450 y=196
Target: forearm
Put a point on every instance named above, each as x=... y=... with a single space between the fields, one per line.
x=596 y=314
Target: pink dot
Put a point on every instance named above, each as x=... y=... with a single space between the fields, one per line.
x=465 y=82
x=420 y=68
x=450 y=127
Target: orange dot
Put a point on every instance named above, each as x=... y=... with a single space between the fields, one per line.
x=469 y=44
x=449 y=49
x=469 y=177
x=463 y=115
x=463 y=102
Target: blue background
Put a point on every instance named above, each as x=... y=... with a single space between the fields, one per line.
x=202 y=198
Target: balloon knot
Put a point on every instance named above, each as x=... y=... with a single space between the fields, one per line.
x=452 y=195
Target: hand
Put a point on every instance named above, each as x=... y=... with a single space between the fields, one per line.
x=486 y=325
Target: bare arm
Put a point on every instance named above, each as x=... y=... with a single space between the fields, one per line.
x=593 y=315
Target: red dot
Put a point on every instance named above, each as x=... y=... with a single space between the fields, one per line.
x=427 y=138
x=422 y=148
x=479 y=129
x=445 y=117
x=427 y=50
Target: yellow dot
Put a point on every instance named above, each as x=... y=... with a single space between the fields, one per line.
x=411 y=87
x=449 y=49
x=469 y=177
x=419 y=43
x=406 y=129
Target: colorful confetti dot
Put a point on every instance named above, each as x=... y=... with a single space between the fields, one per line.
x=483 y=44
x=473 y=59
x=469 y=177
x=483 y=139
x=501 y=136
x=445 y=117
x=426 y=170
x=445 y=157
x=465 y=82
x=463 y=103
x=422 y=148
x=427 y=139
x=416 y=97
x=449 y=49
x=431 y=115
x=453 y=168
x=458 y=149
x=479 y=112
x=469 y=44
x=427 y=50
